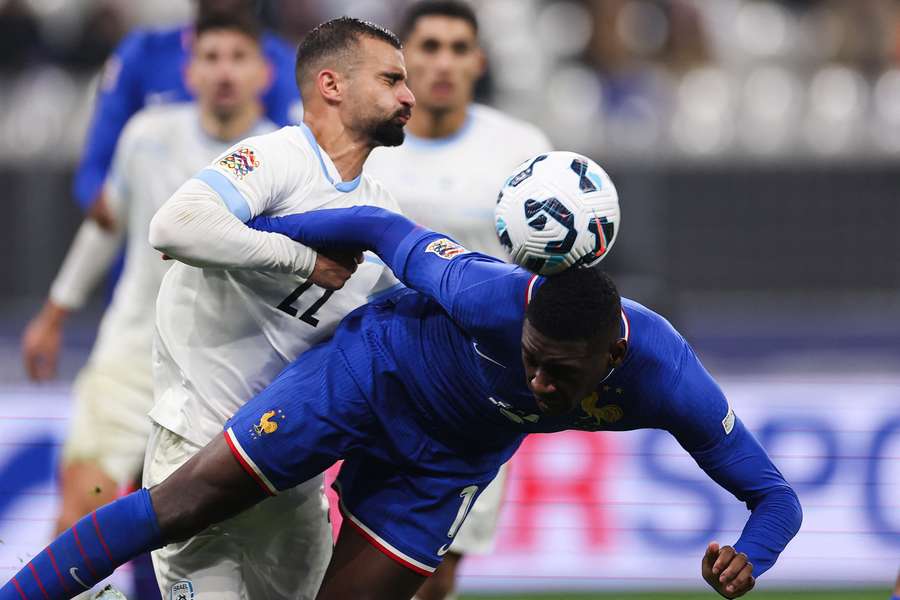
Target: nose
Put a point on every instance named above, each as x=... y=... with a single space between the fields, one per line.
x=406 y=97
x=541 y=384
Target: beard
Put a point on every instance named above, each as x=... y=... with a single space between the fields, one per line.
x=389 y=132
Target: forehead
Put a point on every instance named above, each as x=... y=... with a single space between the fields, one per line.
x=379 y=55
x=442 y=28
x=549 y=349
x=215 y=39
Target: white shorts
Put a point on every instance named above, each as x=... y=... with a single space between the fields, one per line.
x=280 y=548
x=476 y=536
x=109 y=425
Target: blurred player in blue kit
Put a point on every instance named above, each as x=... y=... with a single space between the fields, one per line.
x=148 y=68
x=425 y=394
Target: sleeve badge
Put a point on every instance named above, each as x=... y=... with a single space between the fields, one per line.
x=445 y=248
x=240 y=163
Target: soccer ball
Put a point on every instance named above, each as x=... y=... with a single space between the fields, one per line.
x=557 y=210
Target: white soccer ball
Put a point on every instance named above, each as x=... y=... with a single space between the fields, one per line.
x=557 y=210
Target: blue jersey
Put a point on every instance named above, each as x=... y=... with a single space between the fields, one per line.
x=444 y=357
x=147 y=68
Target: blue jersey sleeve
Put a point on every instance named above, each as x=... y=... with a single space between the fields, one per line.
x=118 y=98
x=698 y=415
x=481 y=293
x=282 y=99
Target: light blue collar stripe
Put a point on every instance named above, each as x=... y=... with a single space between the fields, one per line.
x=341 y=186
x=385 y=293
x=371 y=258
x=223 y=186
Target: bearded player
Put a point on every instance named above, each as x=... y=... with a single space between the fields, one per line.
x=241 y=304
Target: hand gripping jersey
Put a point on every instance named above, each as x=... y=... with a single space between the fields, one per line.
x=223 y=335
x=425 y=396
x=147 y=68
x=450 y=184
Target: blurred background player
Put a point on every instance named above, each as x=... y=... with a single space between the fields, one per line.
x=147 y=68
x=241 y=303
x=160 y=148
x=446 y=176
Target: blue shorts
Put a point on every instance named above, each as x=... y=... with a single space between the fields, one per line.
x=400 y=488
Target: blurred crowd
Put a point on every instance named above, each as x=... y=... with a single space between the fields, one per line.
x=630 y=79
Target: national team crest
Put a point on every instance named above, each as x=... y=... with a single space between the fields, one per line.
x=182 y=590
x=268 y=423
x=241 y=162
x=445 y=248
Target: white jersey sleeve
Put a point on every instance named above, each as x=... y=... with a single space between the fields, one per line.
x=255 y=177
x=89 y=257
x=93 y=249
x=203 y=223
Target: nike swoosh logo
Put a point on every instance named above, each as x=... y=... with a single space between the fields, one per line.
x=74 y=573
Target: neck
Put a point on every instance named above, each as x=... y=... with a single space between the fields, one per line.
x=230 y=127
x=427 y=123
x=347 y=150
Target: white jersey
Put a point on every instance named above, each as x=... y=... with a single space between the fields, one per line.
x=159 y=149
x=224 y=334
x=451 y=184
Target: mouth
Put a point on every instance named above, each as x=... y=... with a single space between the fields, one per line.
x=551 y=405
x=402 y=118
x=442 y=87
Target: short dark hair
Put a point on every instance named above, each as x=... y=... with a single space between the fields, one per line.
x=440 y=8
x=337 y=36
x=243 y=21
x=577 y=304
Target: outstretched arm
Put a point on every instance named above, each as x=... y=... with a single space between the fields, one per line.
x=90 y=255
x=702 y=421
x=479 y=292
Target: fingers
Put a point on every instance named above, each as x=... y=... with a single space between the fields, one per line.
x=735 y=574
x=726 y=553
x=709 y=559
x=742 y=583
x=39 y=366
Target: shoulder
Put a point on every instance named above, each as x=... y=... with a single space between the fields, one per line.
x=155 y=124
x=496 y=122
x=654 y=345
x=145 y=41
x=277 y=158
x=279 y=146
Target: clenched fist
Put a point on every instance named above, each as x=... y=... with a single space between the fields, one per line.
x=727 y=571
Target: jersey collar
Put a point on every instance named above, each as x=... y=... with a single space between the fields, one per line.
x=341 y=186
x=625 y=331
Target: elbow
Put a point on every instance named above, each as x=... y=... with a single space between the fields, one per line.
x=798 y=509
x=163 y=232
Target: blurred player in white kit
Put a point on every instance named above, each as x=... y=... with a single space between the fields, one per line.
x=159 y=149
x=446 y=176
x=241 y=304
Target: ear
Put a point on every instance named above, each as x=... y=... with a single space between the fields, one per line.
x=330 y=85
x=267 y=78
x=617 y=352
x=482 y=62
x=188 y=75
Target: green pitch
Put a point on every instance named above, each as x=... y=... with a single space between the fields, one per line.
x=848 y=594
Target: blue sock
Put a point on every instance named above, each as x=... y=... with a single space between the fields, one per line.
x=88 y=552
